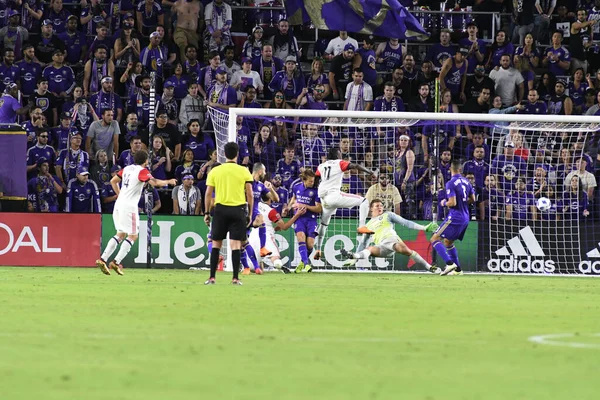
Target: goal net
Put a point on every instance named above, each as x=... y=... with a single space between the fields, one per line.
x=533 y=177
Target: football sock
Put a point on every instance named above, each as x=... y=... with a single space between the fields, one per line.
x=321 y=232
x=453 y=253
x=111 y=246
x=441 y=250
x=235 y=261
x=416 y=257
x=363 y=212
x=303 y=252
x=362 y=254
x=244 y=258
x=125 y=247
x=262 y=235
x=214 y=261
x=251 y=255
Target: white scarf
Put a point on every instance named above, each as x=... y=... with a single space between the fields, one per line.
x=187 y=200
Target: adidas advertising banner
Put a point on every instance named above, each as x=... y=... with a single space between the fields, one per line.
x=589 y=263
x=566 y=247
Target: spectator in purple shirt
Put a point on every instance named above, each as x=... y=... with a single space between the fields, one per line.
x=288 y=168
x=500 y=47
x=74 y=41
x=197 y=141
x=43 y=189
x=439 y=52
x=289 y=81
x=40 y=151
x=9 y=72
x=126 y=157
x=83 y=195
x=557 y=58
x=520 y=204
x=188 y=166
x=477 y=166
x=508 y=168
x=10 y=106
x=29 y=70
x=92 y=15
x=575 y=200
x=533 y=105
x=266 y=150
x=58 y=15
x=477 y=47
x=61 y=134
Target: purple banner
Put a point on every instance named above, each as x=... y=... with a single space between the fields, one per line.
x=13 y=163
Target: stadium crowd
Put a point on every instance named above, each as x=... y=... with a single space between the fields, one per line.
x=81 y=74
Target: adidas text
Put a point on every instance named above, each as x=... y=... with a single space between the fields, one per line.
x=528 y=264
x=589 y=267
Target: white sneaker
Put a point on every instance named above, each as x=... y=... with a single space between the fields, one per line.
x=449 y=268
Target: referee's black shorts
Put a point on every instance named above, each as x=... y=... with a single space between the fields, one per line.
x=230 y=219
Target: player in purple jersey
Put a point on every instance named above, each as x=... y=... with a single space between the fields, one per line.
x=304 y=194
x=10 y=106
x=459 y=194
x=259 y=188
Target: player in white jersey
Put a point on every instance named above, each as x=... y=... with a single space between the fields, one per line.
x=331 y=173
x=387 y=242
x=125 y=213
x=273 y=222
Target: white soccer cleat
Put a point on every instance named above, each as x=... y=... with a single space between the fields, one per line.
x=449 y=268
x=350 y=262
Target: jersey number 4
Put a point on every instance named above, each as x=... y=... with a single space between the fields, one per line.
x=126 y=181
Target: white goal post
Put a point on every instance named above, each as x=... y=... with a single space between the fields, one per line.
x=531 y=243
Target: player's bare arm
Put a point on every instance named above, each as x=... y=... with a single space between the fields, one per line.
x=161 y=182
x=114 y=182
x=361 y=168
x=284 y=226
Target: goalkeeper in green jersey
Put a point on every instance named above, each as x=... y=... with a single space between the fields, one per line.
x=387 y=241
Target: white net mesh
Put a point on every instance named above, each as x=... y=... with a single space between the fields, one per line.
x=220 y=121
x=514 y=234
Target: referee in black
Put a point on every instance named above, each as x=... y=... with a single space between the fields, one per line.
x=231 y=185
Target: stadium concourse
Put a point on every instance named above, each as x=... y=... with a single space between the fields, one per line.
x=88 y=83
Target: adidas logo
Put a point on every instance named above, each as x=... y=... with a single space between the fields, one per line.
x=521 y=258
x=590 y=267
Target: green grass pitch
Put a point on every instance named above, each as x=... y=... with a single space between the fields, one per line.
x=77 y=334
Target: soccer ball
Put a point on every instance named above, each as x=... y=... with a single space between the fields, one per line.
x=544 y=204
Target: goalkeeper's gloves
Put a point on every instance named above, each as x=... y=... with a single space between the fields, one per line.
x=431 y=227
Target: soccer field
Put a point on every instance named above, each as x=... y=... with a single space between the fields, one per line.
x=77 y=334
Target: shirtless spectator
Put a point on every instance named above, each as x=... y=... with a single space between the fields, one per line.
x=186 y=29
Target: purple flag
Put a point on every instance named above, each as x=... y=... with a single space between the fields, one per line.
x=13 y=163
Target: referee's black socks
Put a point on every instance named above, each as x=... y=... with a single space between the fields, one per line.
x=236 y=255
x=214 y=261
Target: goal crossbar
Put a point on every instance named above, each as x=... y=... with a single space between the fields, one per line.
x=571 y=123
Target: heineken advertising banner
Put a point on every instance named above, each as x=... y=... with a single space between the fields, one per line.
x=180 y=242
